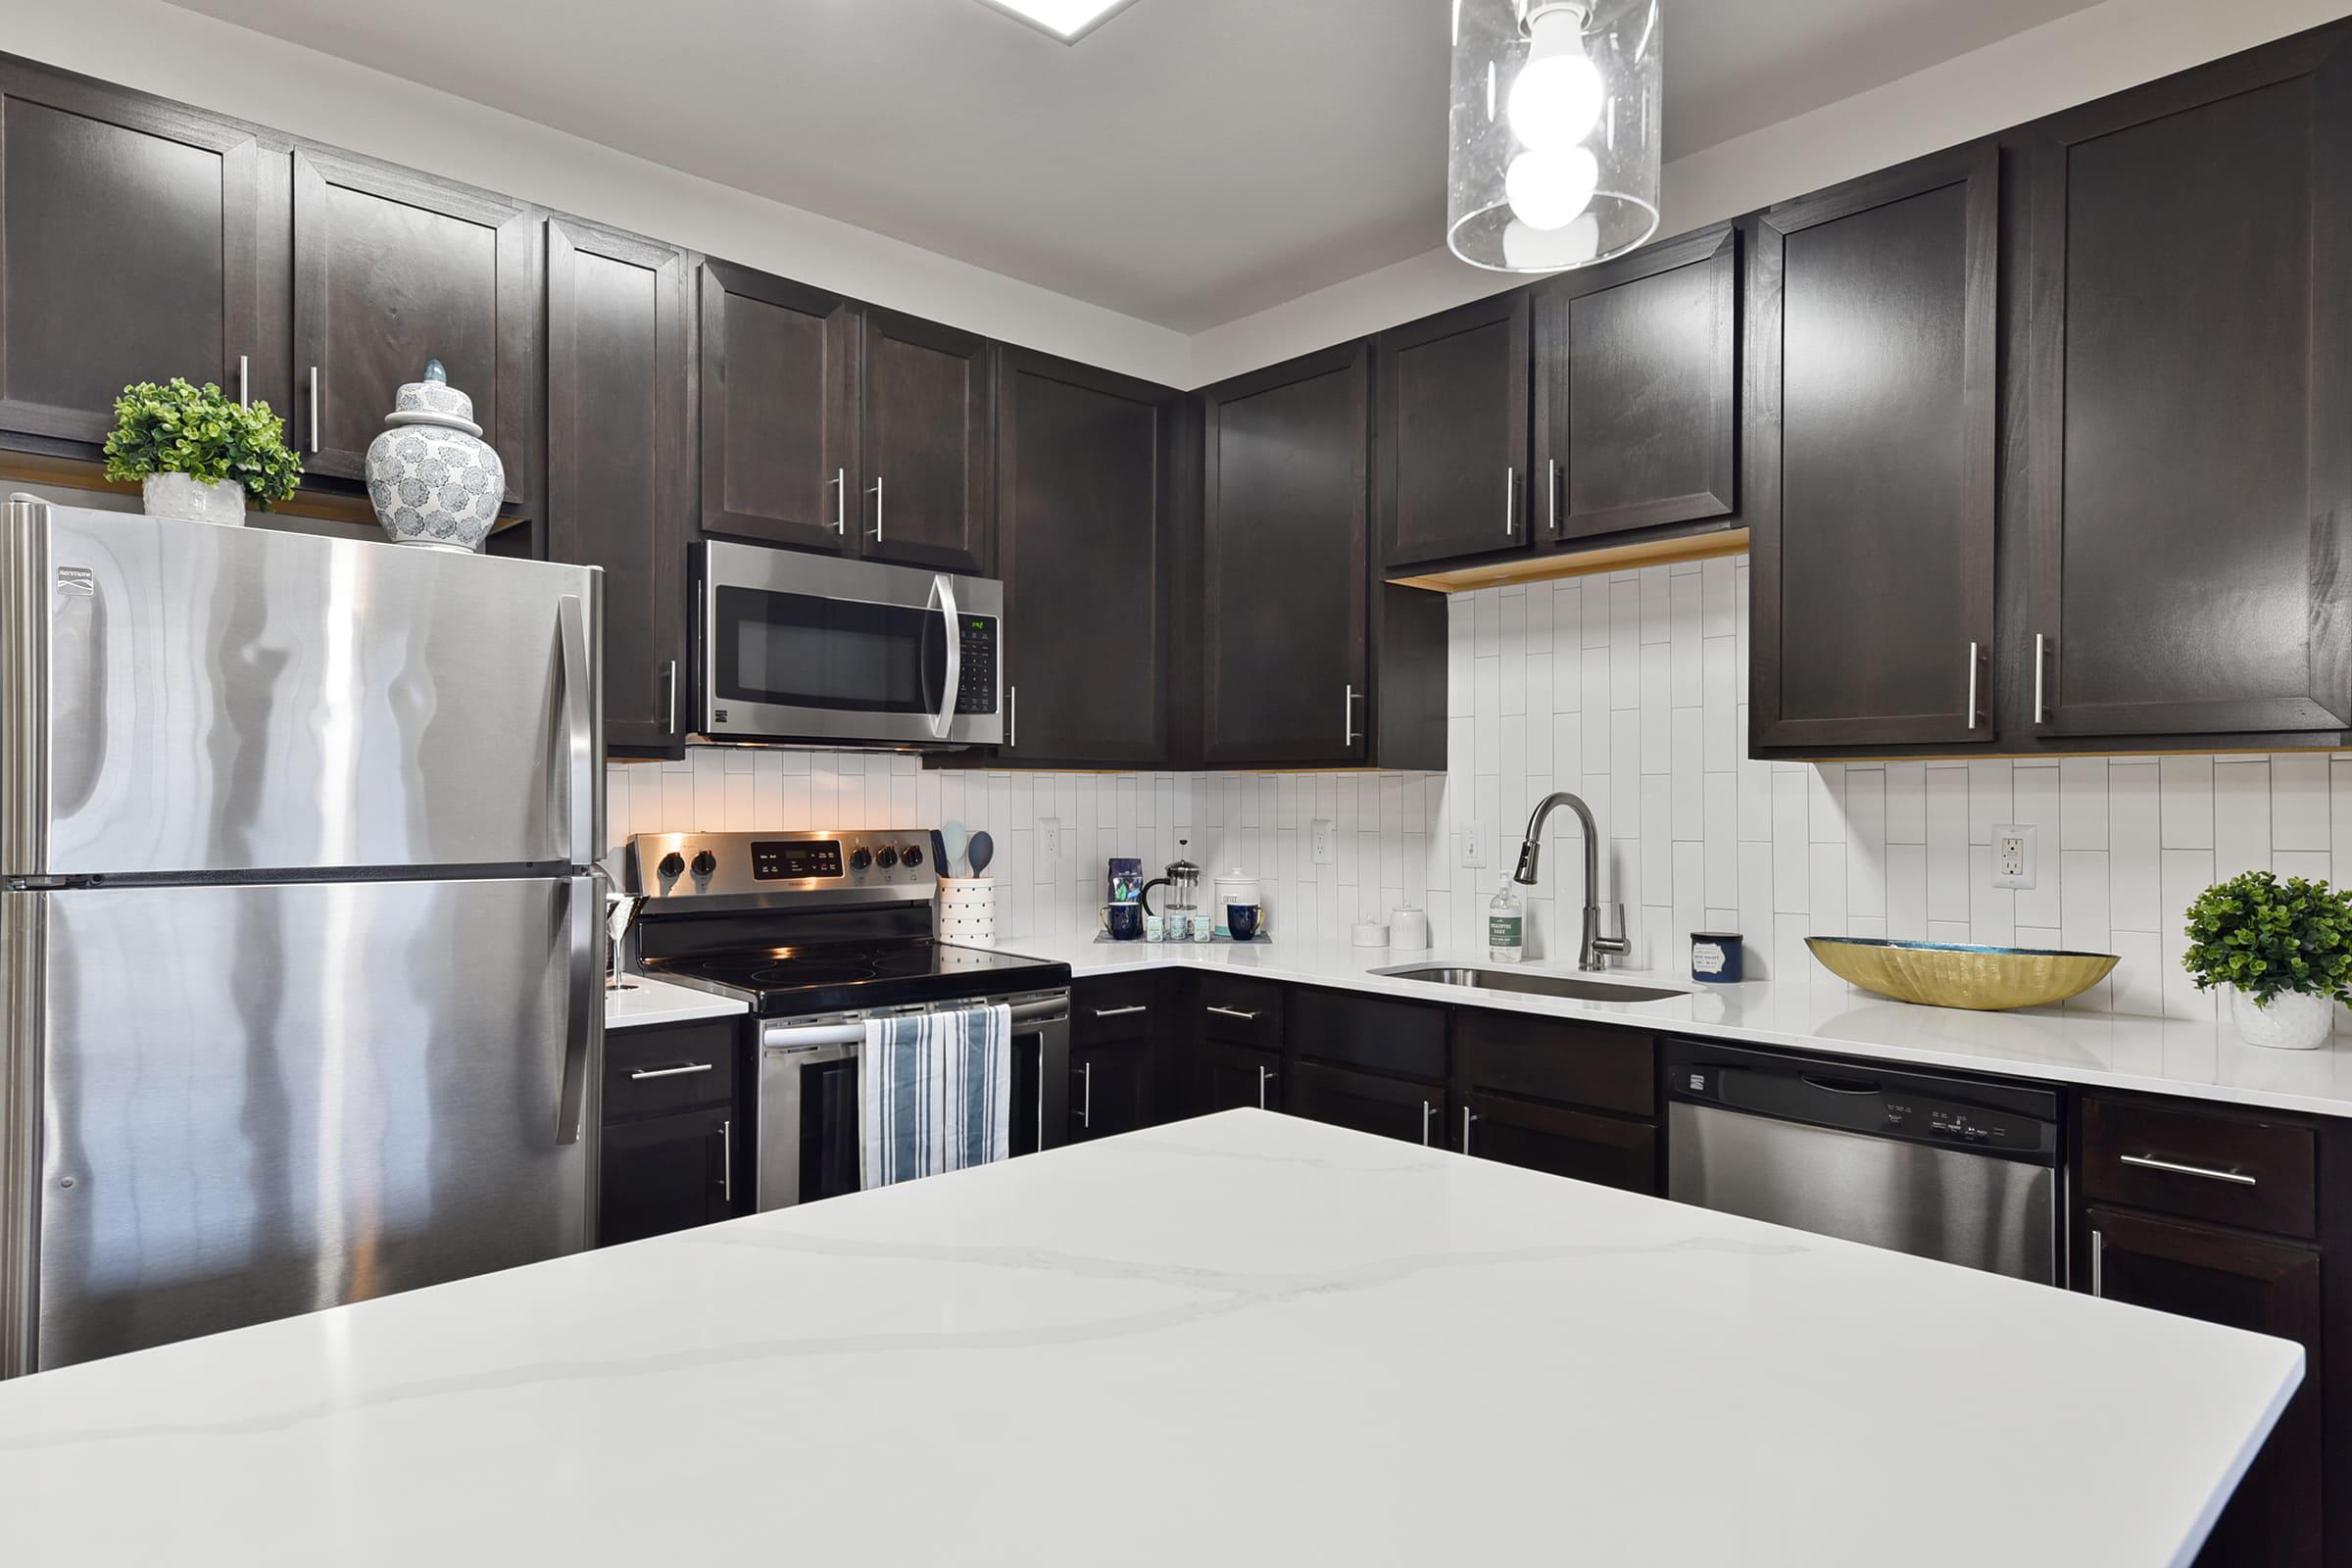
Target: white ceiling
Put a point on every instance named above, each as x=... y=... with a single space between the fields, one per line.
x=1189 y=163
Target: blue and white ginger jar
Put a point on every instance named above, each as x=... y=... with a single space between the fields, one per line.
x=433 y=479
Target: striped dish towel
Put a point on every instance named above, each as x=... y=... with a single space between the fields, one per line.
x=934 y=1094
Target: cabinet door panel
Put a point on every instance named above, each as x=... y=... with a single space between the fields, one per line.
x=1111 y=1089
x=128 y=250
x=2191 y=387
x=663 y=1174
x=1083 y=544
x=1871 y=364
x=1453 y=444
x=1637 y=390
x=1234 y=1077
x=620 y=480
x=1558 y=1142
x=2240 y=1282
x=1388 y=1107
x=391 y=269
x=929 y=440
x=779 y=416
x=1284 y=564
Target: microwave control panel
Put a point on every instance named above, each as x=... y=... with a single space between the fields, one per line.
x=977 y=691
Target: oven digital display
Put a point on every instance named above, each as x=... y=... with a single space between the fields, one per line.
x=792 y=860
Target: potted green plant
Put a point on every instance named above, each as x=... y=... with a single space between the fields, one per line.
x=198 y=452
x=2283 y=948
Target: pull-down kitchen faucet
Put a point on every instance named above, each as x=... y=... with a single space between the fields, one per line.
x=1595 y=947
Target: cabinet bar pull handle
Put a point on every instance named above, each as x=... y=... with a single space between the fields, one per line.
x=1972 y=685
x=876 y=493
x=727 y=1160
x=2236 y=1178
x=1552 y=493
x=1012 y=716
x=1086 y=1095
x=1427 y=1113
x=672 y=1073
x=2098 y=1259
x=244 y=381
x=1510 y=503
x=1347 y=701
x=1265 y=1076
x=1231 y=1012
x=1468 y=1117
x=673 y=698
x=314 y=408
x=2041 y=708
x=1120 y=1013
x=841 y=500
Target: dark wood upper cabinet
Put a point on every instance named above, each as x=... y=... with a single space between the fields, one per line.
x=128 y=250
x=1284 y=561
x=929 y=434
x=1453 y=435
x=393 y=269
x=1637 y=395
x=1871 y=444
x=621 y=461
x=779 y=410
x=1083 y=541
x=2188 y=398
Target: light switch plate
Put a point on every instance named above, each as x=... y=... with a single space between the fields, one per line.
x=1318 y=837
x=1474 y=844
x=2013 y=859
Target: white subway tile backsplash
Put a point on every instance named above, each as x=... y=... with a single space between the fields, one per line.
x=2299 y=803
x=2241 y=816
x=2185 y=787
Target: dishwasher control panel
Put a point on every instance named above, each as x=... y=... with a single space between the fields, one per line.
x=1996 y=1119
x=1962 y=1124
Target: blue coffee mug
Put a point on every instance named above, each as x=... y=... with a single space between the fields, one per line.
x=1125 y=921
x=1241 y=920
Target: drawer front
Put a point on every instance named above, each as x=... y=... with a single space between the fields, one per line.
x=1122 y=1006
x=1246 y=1012
x=1414 y=1113
x=1558 y=1142
x=2231 y=1170
x=1392 y=1037
x=656 y=1069
x=1548 y=1058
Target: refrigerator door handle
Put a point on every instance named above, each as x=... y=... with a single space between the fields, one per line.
x=26 y=600
x=582 y=1003
x=579 y=727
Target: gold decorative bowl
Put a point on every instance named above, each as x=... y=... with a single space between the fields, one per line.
x=1943 y=974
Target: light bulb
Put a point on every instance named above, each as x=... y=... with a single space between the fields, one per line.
x=1557 y=97
x=1537 y=250
x=1547 y=191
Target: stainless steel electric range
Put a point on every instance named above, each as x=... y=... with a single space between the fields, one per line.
x=817 y=932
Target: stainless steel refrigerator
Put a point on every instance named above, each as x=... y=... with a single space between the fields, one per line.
x=303 y=988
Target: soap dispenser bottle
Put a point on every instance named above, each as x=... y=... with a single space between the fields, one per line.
x=1506 y=925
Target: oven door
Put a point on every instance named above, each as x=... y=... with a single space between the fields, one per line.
x=848 y=653
x=807 y=1113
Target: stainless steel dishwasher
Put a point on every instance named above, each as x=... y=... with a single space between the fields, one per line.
x=1962 y=1169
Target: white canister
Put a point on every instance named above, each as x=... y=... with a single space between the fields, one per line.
x=967 y=910
x=1236 y=886
x=1408 y=930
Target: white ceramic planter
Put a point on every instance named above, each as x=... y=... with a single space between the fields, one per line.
x=2292 y=1021
x=185 y=499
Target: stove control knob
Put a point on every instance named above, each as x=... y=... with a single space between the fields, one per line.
x=860 y=859
x=886 y=858
x=913 y=854
x=671 y=864
x=705 y=862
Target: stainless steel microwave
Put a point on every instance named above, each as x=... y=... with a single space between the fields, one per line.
x=824 y=651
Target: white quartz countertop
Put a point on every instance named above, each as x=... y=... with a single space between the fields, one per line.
x=2202 y=1060
x=643 y=1001
x=1246 y=1339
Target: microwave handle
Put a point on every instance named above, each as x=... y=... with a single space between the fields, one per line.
x=943 y=594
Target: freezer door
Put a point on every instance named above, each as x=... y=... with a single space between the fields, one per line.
x=187 y=699
x=262 y=1100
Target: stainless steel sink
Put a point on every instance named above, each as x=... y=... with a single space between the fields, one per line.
x=1534 y=983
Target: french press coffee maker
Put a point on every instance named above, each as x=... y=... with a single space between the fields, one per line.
x=1183 y=882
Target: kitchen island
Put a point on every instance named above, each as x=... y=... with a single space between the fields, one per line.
x=1242 y=1339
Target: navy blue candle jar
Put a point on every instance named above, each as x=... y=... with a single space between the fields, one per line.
x=1715 y=957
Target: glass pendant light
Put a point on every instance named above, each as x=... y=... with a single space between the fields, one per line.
x=1553 y=156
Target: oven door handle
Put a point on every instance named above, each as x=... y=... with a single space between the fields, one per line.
x=943 y=594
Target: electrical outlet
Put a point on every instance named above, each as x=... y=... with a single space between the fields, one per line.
x=2013 y=860
x=1318 y=839
x=1474 y=844
x=1049 y=837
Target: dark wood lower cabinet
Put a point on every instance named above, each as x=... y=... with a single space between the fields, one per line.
x=1389 y=1108
x=1227 y=1077
x=1560 y=1141
x=665 y=1173
x=1114 y=1088
x=2244 y=1282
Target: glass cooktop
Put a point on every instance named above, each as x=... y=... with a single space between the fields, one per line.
x=780 y=981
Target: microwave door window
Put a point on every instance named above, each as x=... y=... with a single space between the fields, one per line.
x=848 y=656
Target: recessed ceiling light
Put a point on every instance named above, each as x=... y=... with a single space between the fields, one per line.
x=1066 y=20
